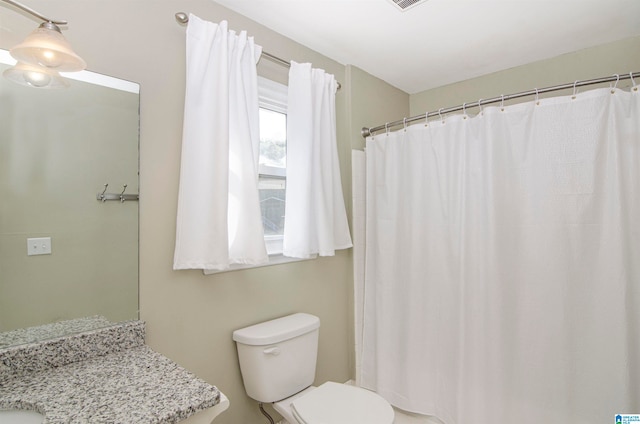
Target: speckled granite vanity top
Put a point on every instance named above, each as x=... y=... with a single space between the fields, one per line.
x=102 y=376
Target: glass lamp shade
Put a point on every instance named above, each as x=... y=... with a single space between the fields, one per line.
x=35 y=76
x=47 y=47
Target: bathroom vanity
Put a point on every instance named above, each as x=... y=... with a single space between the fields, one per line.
x=104 y=376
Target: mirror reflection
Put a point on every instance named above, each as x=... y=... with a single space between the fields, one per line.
x=68 y=260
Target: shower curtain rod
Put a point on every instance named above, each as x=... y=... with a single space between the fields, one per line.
x=366 y=132
x=183 y=18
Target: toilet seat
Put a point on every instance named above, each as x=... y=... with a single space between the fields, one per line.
x=334 y=403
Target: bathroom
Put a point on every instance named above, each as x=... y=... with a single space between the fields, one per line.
x=190 y=316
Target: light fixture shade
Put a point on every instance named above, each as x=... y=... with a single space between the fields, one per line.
x=46 y=46
x=35 y=76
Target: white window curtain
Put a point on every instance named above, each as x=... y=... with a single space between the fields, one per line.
x=503 y=263
x=218 y=219
x=315 y=214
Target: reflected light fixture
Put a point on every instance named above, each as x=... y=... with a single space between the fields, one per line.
x=43 y=54
x=35 y=76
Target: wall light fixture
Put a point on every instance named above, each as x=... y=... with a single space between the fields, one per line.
x=43 y=54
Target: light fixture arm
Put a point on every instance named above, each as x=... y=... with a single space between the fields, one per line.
x=33 y=12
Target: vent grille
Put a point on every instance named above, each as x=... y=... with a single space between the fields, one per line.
x=406 y=4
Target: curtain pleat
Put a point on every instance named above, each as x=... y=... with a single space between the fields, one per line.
x=503 y=263
x=219 y=220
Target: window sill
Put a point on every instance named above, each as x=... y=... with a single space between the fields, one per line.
x=274 y=259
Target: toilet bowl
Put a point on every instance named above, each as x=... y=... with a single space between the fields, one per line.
x=278 y=361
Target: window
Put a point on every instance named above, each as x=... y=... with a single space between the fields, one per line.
x=273 y=161
x=272 y=170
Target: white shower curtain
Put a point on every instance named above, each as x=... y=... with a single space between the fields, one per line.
x=219 y=221
x=315 y=215
x=503 y=263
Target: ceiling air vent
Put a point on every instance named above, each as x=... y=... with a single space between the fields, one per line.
x=406 y=4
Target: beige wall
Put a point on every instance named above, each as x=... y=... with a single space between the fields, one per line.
x=371 y=101
x=608 y=59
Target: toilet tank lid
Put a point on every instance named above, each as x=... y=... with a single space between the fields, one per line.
x=277 y=330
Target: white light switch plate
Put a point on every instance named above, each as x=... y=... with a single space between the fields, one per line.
x=39 y=246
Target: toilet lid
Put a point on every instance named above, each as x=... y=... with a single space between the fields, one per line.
x=334 y=403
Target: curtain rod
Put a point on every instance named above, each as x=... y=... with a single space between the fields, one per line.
x=183 y=18
x=366 y=132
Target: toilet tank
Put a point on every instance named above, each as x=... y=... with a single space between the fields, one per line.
x=278 y=357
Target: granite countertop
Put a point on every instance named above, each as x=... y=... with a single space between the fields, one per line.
x=56 y=329
x=128 y=385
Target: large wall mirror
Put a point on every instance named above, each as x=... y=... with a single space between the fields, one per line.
x=58 y=148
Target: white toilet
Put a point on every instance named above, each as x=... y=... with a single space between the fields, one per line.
x=278 y=365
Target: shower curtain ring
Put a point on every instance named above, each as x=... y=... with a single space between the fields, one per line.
x=440 y=114
x=537 y=97
x=502 y=103
x=426 y=119
x=404 y=123
x=575 y=89
x=464 y=111
x=386 y=128
x=613 y=90
x=480 y=106
x=633 y=83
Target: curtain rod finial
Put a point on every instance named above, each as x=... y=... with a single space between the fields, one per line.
x=182 y=17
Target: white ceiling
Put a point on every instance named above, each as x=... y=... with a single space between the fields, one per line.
x=439 y=42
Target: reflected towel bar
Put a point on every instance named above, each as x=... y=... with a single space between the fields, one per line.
x=104 y=196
